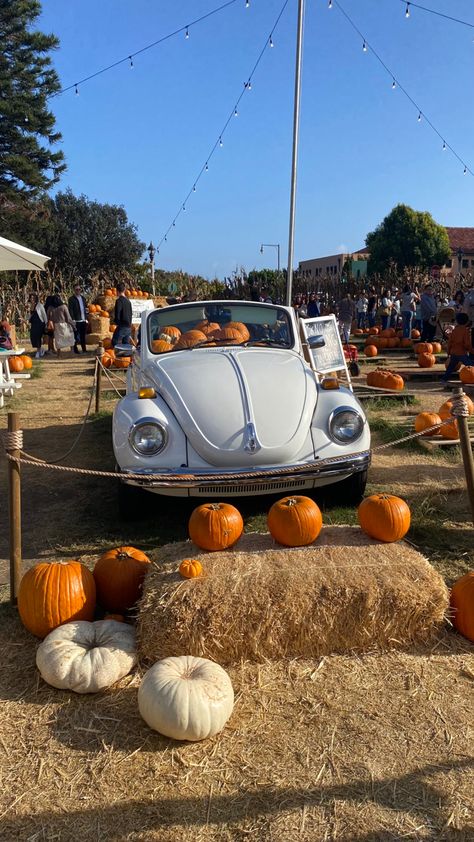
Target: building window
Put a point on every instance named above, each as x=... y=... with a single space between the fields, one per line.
x=465 y=264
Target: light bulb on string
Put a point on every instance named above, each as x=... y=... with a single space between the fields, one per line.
x=76 y=89
x=131 y=62
x=407 y=11
x=247 y=3
x=249 y=85
x=236 y=113
x=330 y=4
x=166 y=239
x=194 y=188
x=174 y=223
x=419 y=116
x=364 y=47
x=465 y=170
x=271 y=42
x=444 y=146
x=394 y=85
x=186 y=34
x=206 y=167
x=184 y=207
x=220 y=142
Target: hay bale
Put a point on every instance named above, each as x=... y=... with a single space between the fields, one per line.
x=94 y=338
x=99 y=325
x=346 y=593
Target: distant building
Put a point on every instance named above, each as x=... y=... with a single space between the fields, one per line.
x=352 y=265
x=461 y=241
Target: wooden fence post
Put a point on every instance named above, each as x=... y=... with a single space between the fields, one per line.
x=98 y=383
x=466 y=450
x=14 y=491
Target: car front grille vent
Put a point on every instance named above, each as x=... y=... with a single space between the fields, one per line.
x=249 y=489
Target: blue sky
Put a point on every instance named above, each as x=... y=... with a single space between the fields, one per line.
x=138 y=137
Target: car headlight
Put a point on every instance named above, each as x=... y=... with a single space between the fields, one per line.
x=148 y=437
x=345 y=425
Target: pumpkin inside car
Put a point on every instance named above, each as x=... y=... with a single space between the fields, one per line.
x=242 y=409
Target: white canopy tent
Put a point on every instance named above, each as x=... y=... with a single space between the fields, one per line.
x=14 y=256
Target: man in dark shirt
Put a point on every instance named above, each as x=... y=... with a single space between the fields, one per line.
x=122 y=317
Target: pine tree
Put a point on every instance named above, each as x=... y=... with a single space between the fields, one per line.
x=28 y=165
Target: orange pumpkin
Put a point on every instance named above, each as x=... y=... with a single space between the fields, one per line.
x=107 y=343
x=160 y=346
x=121 y=362
x=190 y=339
x=405 y=343
x=358 y=332
x=382 y=342
x=373 y=331
x=295 y=521
x=384 y=517
x=229 y=336
x=119 y=576
x=27 y=362
x=106 y=360
x=451 y=430
x=172 y=331
x=109 y=292
x=424 y=420
x=462 y=604
x=190 y=568
x=388 y=333
x=104 y=314
x=53 y=593
x=415 y=334
x=16 y=364
x=436 y=347
x=370 y=351
x=209 y=328
x=241 y=328
x=215 y=526
x=466 y=375
x=426 y=360
x=423 y=348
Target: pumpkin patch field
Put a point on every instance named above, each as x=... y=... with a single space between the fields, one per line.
x=367 y=737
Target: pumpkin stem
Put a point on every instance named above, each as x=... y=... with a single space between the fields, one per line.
x=292 y=501
x=215 y=506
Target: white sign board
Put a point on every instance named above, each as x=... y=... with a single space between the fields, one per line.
x=138 y=307
x=331 y=356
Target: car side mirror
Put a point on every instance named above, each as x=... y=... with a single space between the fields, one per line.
x=124 y=350
x=316 y=341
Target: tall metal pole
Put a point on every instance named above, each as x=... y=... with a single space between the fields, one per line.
x=278 y=247
x=294 y=163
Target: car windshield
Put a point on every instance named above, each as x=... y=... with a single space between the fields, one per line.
x=211 y=324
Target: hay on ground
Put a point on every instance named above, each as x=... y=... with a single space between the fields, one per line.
x=345 y=593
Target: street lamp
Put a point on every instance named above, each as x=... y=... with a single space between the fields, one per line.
x=152 y=251
x=273 y=246
x=460 y=255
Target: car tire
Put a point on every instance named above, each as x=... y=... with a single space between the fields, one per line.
x=131 y=502
x=348 y=492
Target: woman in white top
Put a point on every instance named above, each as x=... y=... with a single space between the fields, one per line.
x=362 y=305
x=408 y=307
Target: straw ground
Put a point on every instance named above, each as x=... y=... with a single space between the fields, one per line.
x=358 y=749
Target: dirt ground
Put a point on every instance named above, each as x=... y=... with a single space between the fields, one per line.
x=379 y=747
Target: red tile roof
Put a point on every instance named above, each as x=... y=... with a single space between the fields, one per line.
x=461 y=237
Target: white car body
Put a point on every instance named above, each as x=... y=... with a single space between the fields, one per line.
x=234 y=420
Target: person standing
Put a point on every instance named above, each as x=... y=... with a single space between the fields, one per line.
x=362 y=305
x=63 y=325
x=346 y=312
x=38 y=323
x=122 y=317
x=407 y=308
x=460 y=347
x=429 y=310
x=77 y=310
x=395 y=314
x=313 y=306
x=372 y=307
x=385 y=309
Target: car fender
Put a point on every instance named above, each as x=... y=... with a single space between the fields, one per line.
x=129 y=411
x=329 y=400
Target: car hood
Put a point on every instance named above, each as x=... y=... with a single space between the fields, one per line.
x=239 y=406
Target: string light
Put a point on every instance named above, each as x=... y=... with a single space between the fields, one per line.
x=156 y=43
x=434 y=12
x=247 y=3
x=465 y=170
x=364 y=47
x=234 y=113
x=131 y=62
x=407 y=11
x=396 y=82
x=186 y=34
x=76 y=90
x=330 y=4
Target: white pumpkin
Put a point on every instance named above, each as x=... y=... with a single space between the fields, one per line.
x=186 y=698
x=87 y=657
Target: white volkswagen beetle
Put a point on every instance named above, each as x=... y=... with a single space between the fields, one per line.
x=224 y=400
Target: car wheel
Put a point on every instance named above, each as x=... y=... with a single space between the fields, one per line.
x=131 y=501
x=348 y=492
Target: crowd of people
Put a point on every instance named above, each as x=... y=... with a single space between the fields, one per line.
x=56 y=325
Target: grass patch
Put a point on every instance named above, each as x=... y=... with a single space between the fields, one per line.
x=380 y=402
x=390 y=431
x=37 y=371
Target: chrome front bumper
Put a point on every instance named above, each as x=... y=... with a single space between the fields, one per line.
x=335 y=469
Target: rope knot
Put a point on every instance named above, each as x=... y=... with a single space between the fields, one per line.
x=13 y=441
x=460 y=408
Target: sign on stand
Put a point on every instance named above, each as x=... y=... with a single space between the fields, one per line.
x=328 y=355
x=139 y=305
